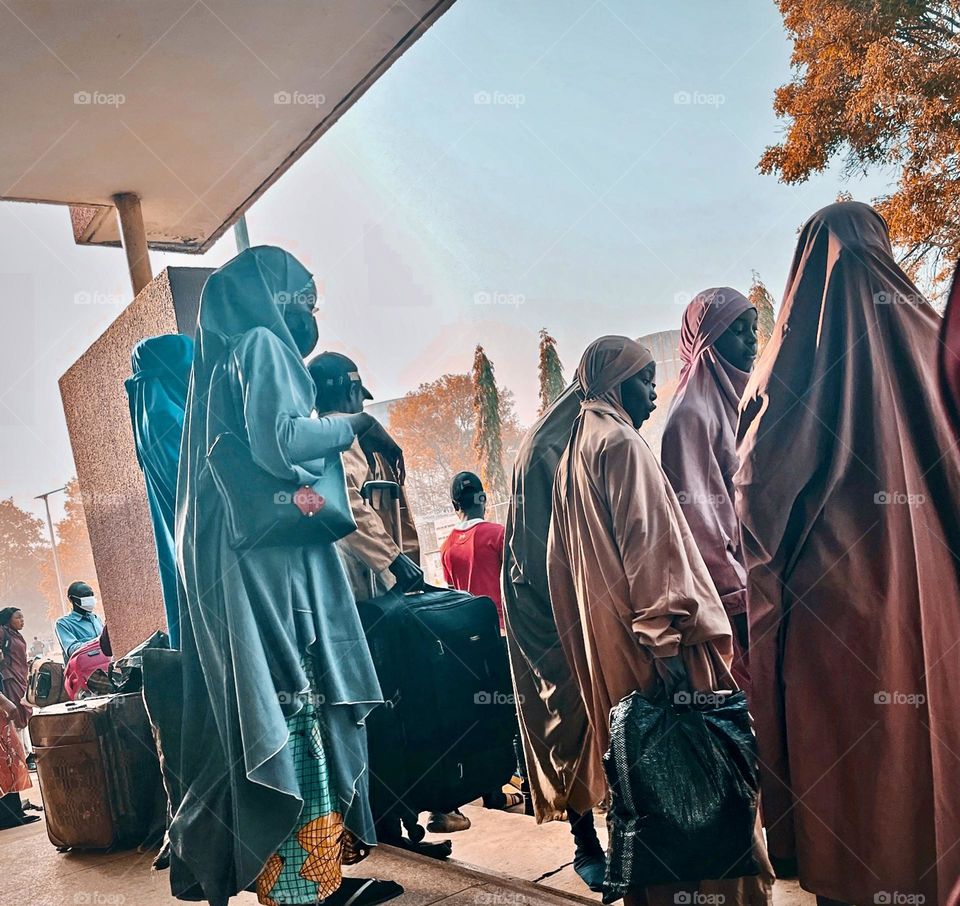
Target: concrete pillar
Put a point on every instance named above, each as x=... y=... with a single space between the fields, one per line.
x=114 y=496
x=134 y=238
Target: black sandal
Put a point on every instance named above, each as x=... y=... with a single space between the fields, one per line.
x=363 y=892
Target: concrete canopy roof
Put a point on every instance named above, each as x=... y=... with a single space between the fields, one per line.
x=196 y=106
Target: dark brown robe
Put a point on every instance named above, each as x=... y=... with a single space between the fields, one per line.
x=848 y=494
x=562 y=764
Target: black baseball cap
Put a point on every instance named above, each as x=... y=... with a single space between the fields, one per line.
x=463 y=485
x=333 y=369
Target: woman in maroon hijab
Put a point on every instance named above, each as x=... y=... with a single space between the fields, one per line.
x=14 y=713
x=848 y=494
x=718 y=343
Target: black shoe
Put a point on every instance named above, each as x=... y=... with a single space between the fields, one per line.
x=31 y=763
x=19 y=822
x=363 y=892
x=589 y=860
x=591 y=865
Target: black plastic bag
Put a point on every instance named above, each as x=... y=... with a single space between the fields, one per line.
x=126 y=674
x=684 y=787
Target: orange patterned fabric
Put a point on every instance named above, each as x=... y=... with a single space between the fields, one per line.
x=322 y=839
x=306 y=868
x=268 y=877
x=14 y=776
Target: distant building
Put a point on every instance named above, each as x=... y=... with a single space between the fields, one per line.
x=381 y=409
x=665 y=347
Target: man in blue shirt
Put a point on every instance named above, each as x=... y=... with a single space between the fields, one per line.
x=81 y=625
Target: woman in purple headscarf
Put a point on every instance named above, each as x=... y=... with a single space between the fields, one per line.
x=718 y=344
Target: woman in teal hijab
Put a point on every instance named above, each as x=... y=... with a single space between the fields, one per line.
x=158 y=395
x=277 y=676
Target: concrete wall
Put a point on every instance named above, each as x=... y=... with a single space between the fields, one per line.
x=111 y=483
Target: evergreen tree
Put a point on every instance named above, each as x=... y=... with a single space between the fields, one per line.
x=761 y=299
x=550 y=370
x=488 y=439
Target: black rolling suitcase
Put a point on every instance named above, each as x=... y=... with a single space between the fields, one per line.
x=444 y=736
x=99 y=773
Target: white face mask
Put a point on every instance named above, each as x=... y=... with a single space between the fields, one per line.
x=87 y=603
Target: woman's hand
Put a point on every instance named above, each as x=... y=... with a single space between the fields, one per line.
x=373 y=439
x=675 y=680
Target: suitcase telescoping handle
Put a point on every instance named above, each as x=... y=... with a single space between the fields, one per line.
x=389 y=492
x=376 y=494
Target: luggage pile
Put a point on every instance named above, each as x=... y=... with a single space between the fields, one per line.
x=99 y=773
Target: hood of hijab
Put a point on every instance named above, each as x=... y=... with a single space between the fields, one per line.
x=169 y=355
x=606 y=363
x=249 y=292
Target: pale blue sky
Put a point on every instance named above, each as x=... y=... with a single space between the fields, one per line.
x=534 y=154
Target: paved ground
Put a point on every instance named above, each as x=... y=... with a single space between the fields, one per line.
x=495 y=863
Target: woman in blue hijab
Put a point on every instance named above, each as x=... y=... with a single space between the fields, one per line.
x=277 y=676
x=158 y=396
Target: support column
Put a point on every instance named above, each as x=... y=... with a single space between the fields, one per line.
x=134 y=238
x=241 y=235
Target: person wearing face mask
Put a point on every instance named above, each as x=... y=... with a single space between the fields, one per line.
x=636 y=609
x=718 y=345
x=267 y=765
x=81 y=625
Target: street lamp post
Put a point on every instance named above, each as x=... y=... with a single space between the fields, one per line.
x=53 y=545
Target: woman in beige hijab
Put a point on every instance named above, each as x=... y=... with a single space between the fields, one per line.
x=634 y=602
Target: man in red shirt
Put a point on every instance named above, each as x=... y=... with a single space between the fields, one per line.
x=472 y=558
x=472 y=555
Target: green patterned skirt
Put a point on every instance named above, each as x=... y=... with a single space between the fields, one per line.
x=306 y=868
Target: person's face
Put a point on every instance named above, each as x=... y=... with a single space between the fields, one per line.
x=738 y=343
x=638 y=394
x=16 y=621
x=298 y=316
x=354 y=401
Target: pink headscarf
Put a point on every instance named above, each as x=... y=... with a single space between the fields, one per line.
x=704 y=321
x=698 y=451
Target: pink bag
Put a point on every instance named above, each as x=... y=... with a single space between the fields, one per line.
x=85 y=661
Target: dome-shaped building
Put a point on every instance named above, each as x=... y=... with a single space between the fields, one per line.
x=665 y=348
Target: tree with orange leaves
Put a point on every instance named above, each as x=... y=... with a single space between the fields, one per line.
x=435 y=425
x=23 y=550
x=881 y=81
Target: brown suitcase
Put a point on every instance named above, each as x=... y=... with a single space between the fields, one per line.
x=99 y=773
